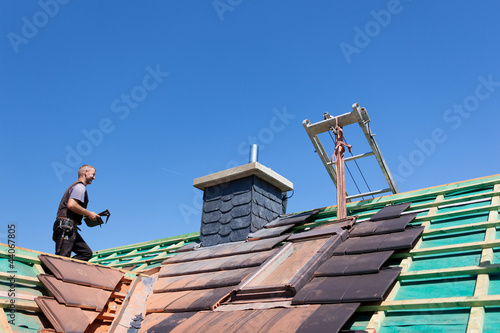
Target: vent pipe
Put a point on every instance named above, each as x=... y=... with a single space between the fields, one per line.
x=254 y=153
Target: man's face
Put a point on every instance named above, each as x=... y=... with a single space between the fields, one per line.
x=89 y=176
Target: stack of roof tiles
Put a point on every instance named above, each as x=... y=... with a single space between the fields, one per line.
x=306 y=282
x=81 y=292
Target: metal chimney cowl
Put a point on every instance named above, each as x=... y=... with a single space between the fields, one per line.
x=239 y=201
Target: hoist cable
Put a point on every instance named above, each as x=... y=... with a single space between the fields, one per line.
x=352 y=177
x=359 y=169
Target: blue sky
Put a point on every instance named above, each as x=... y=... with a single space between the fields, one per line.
x=157 y=93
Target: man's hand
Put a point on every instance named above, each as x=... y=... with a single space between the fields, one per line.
x=93 y=216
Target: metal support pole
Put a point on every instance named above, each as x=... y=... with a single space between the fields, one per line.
x=339 y=163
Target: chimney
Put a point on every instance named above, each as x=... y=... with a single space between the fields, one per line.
x=239 y=201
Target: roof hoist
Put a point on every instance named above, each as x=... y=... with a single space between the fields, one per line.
x=335 y=124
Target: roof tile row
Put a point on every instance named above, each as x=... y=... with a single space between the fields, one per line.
x=315 y=318
x=82 y=273
x=226 y=250
x=187 y=300
x=350 y=288
x=215 y=264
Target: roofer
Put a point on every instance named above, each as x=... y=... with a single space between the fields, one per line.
x=72 y=209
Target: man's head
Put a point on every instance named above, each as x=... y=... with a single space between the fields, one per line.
x=86 y=174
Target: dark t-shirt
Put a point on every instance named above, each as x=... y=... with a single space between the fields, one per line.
x=73 y=192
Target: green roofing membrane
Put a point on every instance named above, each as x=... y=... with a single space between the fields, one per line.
x=446 y=320
x=494 y=287
x=358 y=321
x=144 y=250
x=424 y=200
x=496 y=256
x=22 y=289
x=437 y=288
x=446 y=260
x=491 y=320
x=20 y=268
x=467 y=192
x=360 y=210
x=465 y=205
x=142 y=254
x=461 y=220
x=28 y=322
x=420 y=214
x=453 y=239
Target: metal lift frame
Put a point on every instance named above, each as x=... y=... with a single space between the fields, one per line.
x=358 y=115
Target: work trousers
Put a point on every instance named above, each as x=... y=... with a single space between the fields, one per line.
x=72 y=242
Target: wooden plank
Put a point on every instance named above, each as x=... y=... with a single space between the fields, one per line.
x=21 y=279
x=145 y=257
x=150 y=244
x=450 y=248
x=18 y=296
x=477 y=314
x=141 y=268
x=117 y=256
x=21 y=257
x=116 y=294
x=38 y=269
x=102 y=258
x=460 y=228
x=24 y=251
x=476 y=320
x=434 y=303
x=160 y=256
x=449 y=272
x=139 y=256
x=20 y=305
x=147 y=261
x=461 y=212
x=125 y=303
x=4 y=323
x=106 y=316
x=375 y=323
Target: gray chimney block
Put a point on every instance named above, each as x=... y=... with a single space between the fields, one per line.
x=239 y=201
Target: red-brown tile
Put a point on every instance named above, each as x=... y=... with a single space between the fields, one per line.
x=63 y=318
x=75 y=295
x=83 y=273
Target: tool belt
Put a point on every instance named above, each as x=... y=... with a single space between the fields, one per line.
x=67 y=225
